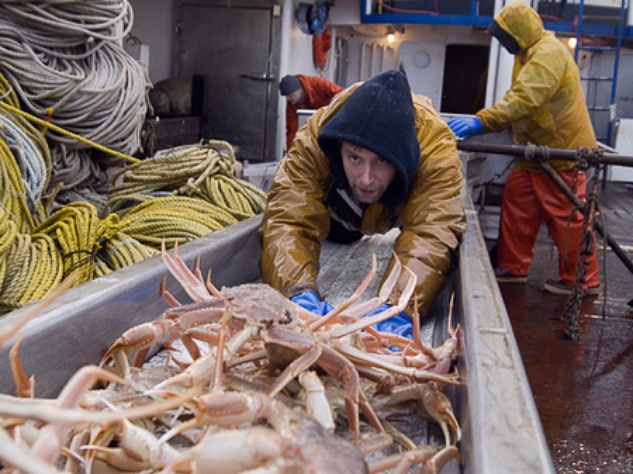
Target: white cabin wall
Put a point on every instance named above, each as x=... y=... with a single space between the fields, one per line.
x=369 y=53
x=153 y=23
x=296 y=58
x=419 y=50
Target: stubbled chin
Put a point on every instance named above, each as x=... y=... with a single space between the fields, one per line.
x=369 y=200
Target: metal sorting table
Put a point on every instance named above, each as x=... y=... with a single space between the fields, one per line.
x=501 y=428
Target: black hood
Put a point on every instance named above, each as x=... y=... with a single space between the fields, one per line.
x=380 y=117
x=505 y=38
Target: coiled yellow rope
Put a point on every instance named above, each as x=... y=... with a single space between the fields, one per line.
x=176 y=219
x=237 y=197
x=120 y=251
x=178 y=196
x=78 y=232
x=169 y=171
x=206 y=171
x=29 y=268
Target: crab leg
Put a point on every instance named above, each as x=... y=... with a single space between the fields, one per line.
x=136 y=338
x=191 y=284
x=367 y=306
x=139 y=450
x=362 y=309
x=317 y=405
x=167 y=296
x=199 y=373
x=422 y=375
x=51 y=438
x=334 y=364
x=435 y=405
x=350 y=301
x=224 y=409
x=439 y=408
x=253 y=356
x=219 y=360
x=25 y=385
x=301 y=363
x=73 y=459
x=18 y=457
x=44 y=411
x=415 y=318
x=388 y=313
x=250 y=450
x=432 y=460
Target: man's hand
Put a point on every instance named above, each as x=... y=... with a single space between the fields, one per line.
x=466 y=127
x=399 y=324
x=310 y=300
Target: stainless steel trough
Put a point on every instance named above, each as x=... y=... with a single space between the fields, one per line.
x=502 y=431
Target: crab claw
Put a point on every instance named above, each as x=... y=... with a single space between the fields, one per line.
x=434 y=405
x=135 y=339
x=439 y=408
x=430 y=460
x=191 y=282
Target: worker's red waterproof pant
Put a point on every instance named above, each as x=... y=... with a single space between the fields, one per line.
x=529 y=199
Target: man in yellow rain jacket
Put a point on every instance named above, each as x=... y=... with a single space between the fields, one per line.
x=376 y=158
x=544 y=106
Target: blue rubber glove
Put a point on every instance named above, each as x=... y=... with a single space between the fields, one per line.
x=466 y=127
x=310 y=300
x=400 y=324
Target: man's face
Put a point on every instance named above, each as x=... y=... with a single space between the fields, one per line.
x=368 y=175
x=295 y=97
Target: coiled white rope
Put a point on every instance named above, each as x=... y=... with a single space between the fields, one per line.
x=81 y=82
x=29 y=159
x=77 y=175
x=106 y=20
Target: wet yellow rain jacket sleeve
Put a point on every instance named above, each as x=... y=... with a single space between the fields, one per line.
x=296 y=220
x=545 y=103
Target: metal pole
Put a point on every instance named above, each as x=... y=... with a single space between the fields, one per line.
x=540 y=155
x=538 y=152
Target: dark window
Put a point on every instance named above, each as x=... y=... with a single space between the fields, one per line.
x=465 y=74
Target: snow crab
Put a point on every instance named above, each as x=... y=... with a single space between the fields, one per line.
x=293 y=339
x=233 y=439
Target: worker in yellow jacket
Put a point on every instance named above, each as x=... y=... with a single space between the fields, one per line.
x=544 y=106
x=376 y=158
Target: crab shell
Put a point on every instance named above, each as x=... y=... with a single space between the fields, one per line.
x=259 y=303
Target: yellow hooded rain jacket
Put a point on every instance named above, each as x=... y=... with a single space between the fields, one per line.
x=545 y=104
x=432 y=220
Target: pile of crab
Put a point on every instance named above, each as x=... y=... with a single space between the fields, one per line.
x=250 y=382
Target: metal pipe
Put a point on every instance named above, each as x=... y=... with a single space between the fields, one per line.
x=539 y=152
x=539 y=155
x=361 y=62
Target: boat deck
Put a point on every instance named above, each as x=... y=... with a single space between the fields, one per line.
x=582 y=389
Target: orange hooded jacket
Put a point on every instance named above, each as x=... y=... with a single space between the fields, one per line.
x=317 y=93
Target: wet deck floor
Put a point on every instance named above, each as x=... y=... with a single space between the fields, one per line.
x=583 y=389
